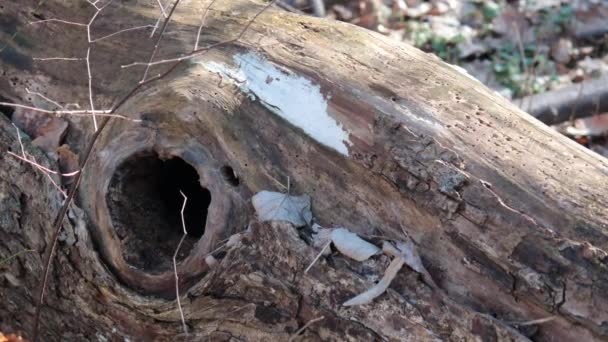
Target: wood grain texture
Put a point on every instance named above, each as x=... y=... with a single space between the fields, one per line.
x=509 y=217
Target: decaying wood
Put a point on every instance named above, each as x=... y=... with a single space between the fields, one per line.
x=508 y=216
x=572 y=102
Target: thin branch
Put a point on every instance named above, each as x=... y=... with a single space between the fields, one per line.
x=56 y=185
x=88 y=59
x=58 y=59
x=89 y=25
x=219 y=248
x=19 y=139
x=46 y=171
x=104 y=113
x=200 y=27
x=157 y=43
x=11 y=38
x=121 y=31
x=578 y=96
x=40 y=167
x=317 y=257
x=11 y=257
x=522 y=52
x=162 y=9
x=57 y=21
x=55 y=103
x=200 y=51
x=91 y=88
x=309 y=323
x=533 y=322
x=94 y=3
x=179 y=303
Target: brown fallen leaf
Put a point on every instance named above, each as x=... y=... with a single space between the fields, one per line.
x=46 y=131
x=51 y=135
x=11 y=338
x=68 y=164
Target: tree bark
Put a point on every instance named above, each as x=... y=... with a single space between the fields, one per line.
x=509 y=217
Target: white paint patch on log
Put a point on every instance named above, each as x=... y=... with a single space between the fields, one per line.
x=288 y=95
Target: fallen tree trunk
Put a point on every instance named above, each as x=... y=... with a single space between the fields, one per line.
x=572 y=102
x=509 y=217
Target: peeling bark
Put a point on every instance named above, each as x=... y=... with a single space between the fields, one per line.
x=508 y=216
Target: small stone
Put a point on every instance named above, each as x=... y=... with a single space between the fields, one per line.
x=561 y=50
x=12 y=280
x=439 y=8
x=419 y=11
x=211 y=261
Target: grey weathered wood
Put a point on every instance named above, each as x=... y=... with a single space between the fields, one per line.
x=579 y=100
x=510 y=217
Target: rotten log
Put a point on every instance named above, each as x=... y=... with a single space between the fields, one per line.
x=509 y=217
x=572 y=102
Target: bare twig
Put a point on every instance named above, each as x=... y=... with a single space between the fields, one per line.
x=200 y=27
x=317 y=257
x=163 y=13
x=32 y=161
x=66 y=112
x=121 y=31
x=12 y=37
x=533 y=322
x=58 y=59
x=42 y=168
x=91 y=87
x=103 y=113
x=87 y=59
x=179 y=303
x=578 y=96
x=309 y=323
x=158 y=40
x=57 y=21
x=11 y=257
x=162 y=9
x=219 y=248
x=281 y=184
x=55 y=103
x=200 y=51
x=522 y=52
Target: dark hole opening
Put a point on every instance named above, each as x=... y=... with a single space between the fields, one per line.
x=6 y=110
x=229 y=175
x=145 y=202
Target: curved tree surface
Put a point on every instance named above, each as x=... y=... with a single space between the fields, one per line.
x=508 y=216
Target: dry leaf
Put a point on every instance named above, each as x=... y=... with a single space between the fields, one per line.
x=351 y=245
x=407 y=251
x=234 y=240
x=410 y=256
x=592 y=126
x=378 y=289
x=276 y=206
x=11 y=338
x=46 y=131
